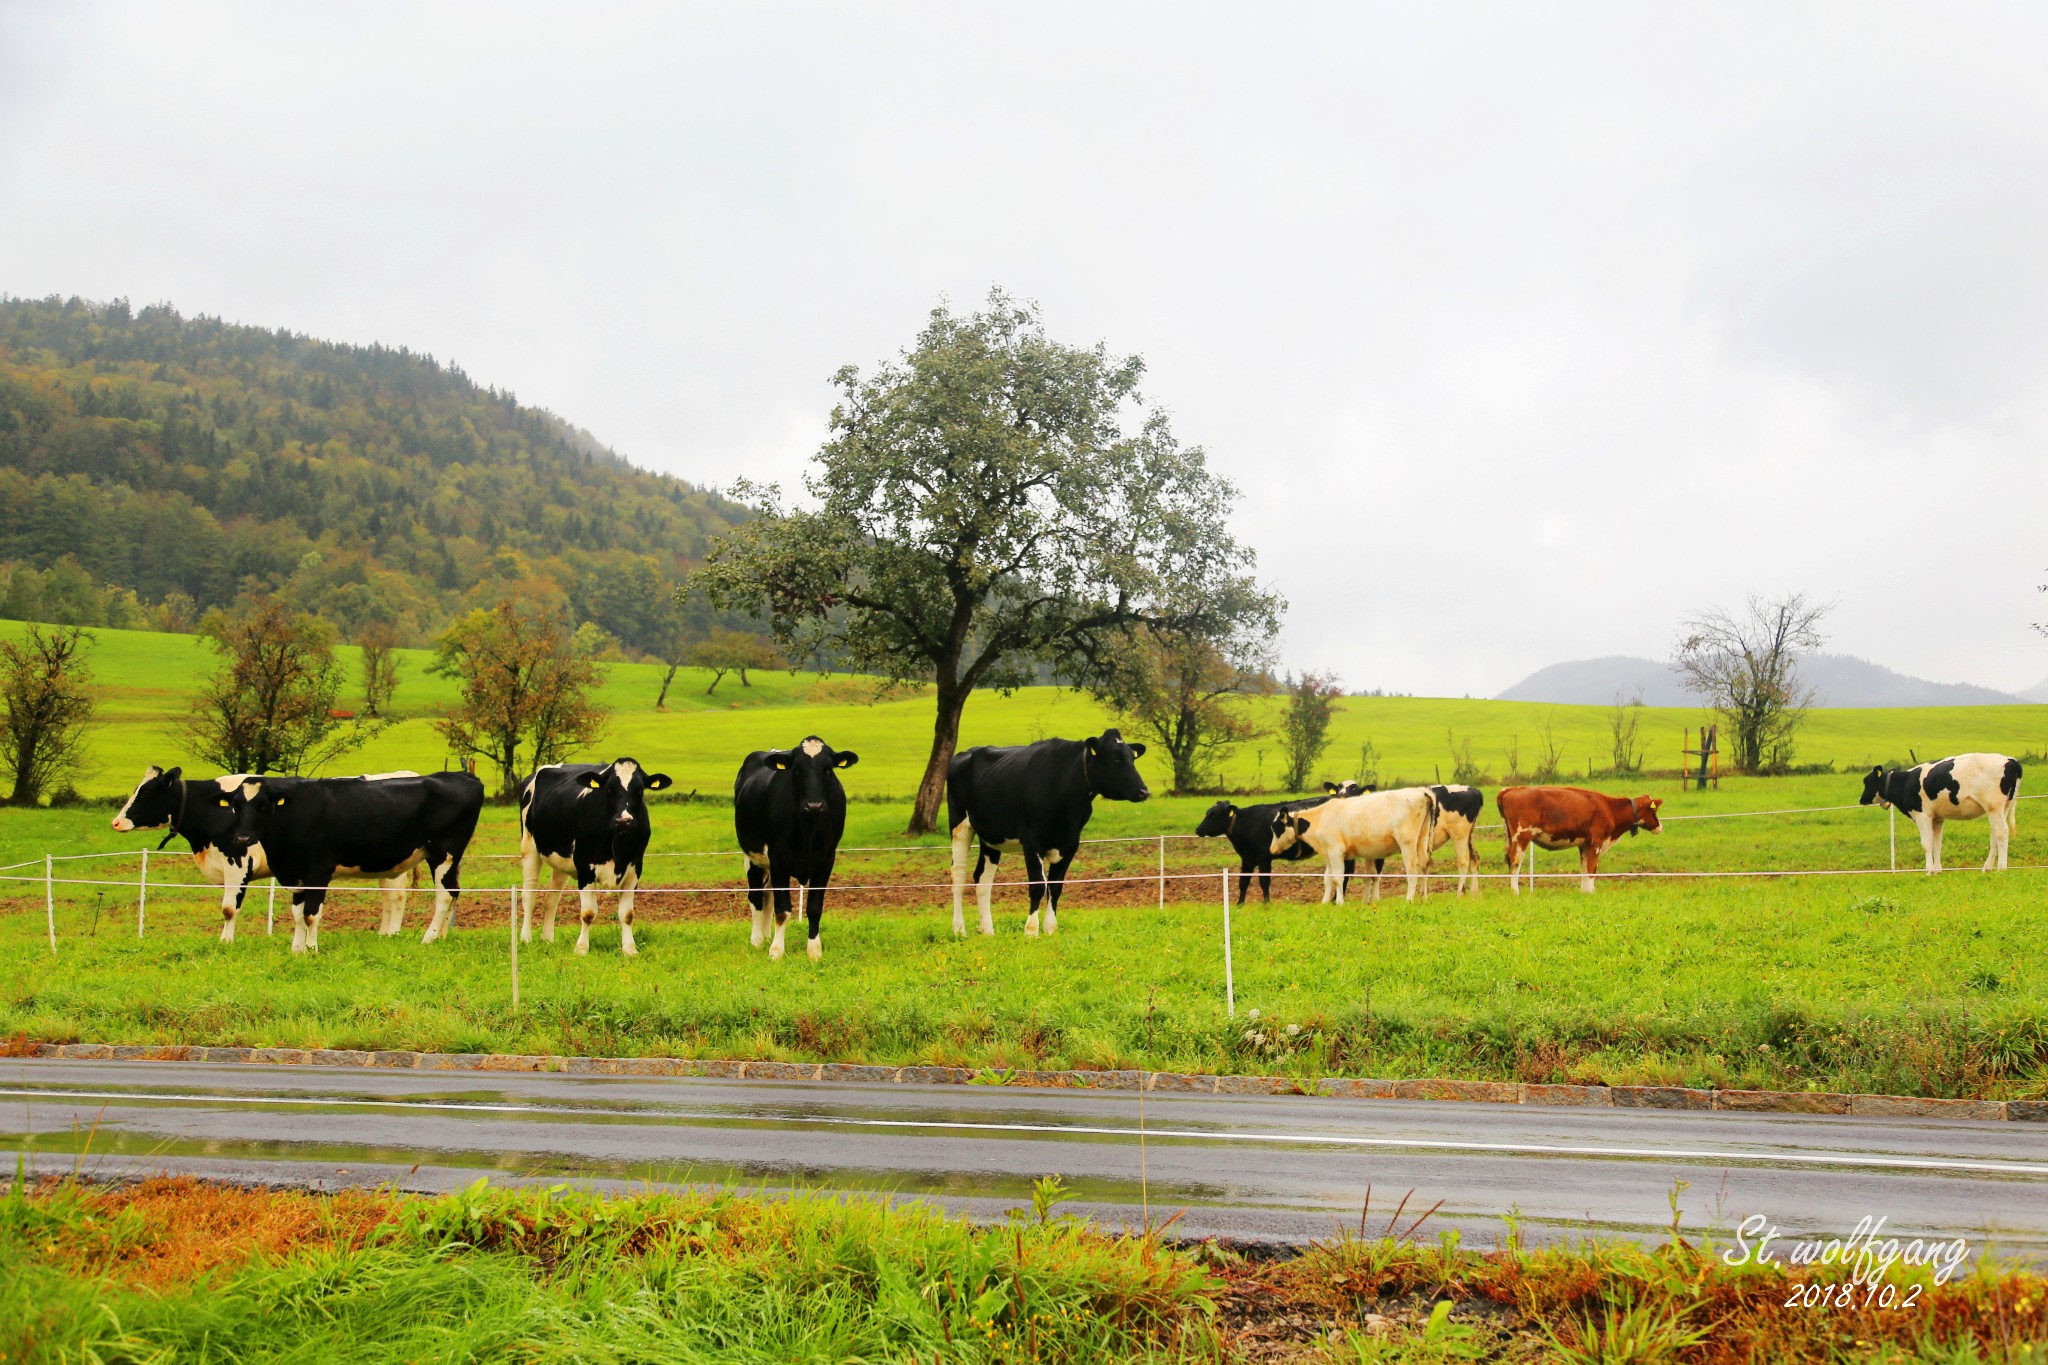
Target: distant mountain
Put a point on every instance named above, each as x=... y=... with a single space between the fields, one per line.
x=2038 y=692
x=1842 y=680
x=154 y=465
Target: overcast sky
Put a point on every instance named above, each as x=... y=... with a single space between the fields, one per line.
x=1522 y=328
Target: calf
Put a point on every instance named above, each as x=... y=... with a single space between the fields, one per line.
x=588 y=820
x=1959 y=788
x=1033 y=798
x=206 y=814
x=310 y=830
x=1375 y=825
x=1570 y=817
x=789 y=810
x=1250 y=832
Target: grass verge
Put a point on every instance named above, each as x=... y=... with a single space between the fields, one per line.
x=179 y=1270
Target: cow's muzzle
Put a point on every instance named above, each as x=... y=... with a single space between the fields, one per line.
x=123 y=825
x=814 y=808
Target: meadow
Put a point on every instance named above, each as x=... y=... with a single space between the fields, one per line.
x=1901 y=984
x=174 y=1270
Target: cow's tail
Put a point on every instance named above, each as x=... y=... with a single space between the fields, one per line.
x=1431 y=813
x=2012 y=803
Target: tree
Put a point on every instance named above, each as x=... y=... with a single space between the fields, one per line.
x=732 y=651
x=1305 y=725
x=47 y=701
x=1624 y=726
x=1747 y=668
x=989 y=505
x=525 y=689
x=270 y=705
x=379 y=646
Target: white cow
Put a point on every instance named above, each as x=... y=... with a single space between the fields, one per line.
x=1960 y=788
x=1373 y=826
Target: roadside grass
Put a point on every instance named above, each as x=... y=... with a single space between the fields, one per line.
x=1903 y=985
x=174 y=1269
x=148 y=679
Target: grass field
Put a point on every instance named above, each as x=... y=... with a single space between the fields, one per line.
x=700 y=739
x=1902 y=984
x=173 y=1270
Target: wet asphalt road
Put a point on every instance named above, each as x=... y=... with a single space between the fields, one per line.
x=1253 y=1168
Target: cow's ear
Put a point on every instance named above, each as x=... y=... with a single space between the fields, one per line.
x=845 y=758
x=778 y=759
x=658 y=782
x=1137 y=750
x=1655 y=802
x=1094 y=749
x=593 y=782
x=174 y=774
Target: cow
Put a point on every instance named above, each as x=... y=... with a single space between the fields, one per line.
x=1959 y=788
x=1373 y=825
x=588 y=820
x=205 y=813
x=1570 y=817
x=1250 y=832
x=789 y=810
x=1458 y=811
x=1033 y=798
x=310 y=830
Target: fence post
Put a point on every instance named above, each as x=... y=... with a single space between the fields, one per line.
x=1893 y=812
x=1162 y=872
x=1229 y=981
x=142 y=894
x=513 y=923
x=50 y=899
x=270 y=911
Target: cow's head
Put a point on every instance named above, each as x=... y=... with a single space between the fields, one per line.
x=153 y=803
x=814 y=765
x=1216 y=820
x=1288 y=830
x=1646 y=814
x=620 y=788
x=1873 y=789
x=1348 y=788
x=1113 y=767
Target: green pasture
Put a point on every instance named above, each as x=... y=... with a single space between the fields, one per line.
x=148 y=679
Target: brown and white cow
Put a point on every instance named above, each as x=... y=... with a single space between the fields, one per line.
x=1373 y=826
x=1570 y=817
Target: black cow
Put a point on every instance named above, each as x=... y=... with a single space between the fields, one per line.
x=205 y=813
x=1250 y=832
x=789 y=810
x=1035 y=798
x=311 y=830
x=589 y=819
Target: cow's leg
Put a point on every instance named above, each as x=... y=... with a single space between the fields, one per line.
x=1468 y=864
x=586 y=906
x=298 y=921
x=962 y=832
x=1516 y=843
x=2001 y=838
x=814 y=915
x=1034 y=877
x=627 y=882
x=234 y=886
x=1245 y=868
x=1333 y=878
x=391 y=893
x=778 y=881
x=1589 y=864
x=1930 y=840
x=757 y=902
x=1056 y=883
x=306 y=906
x=985 y=888
x=447 y=886
x=558 y=881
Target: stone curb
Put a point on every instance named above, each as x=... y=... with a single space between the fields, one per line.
x=1344 y=1087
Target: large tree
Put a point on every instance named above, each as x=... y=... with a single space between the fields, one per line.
x=992 y=506
x=269 y=708
x=1746 y=666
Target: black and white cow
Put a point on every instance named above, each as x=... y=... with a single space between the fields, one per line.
x=789 y=810
x=205 y=813
x=309 y=830
x=1033 y=798
x=1250 y=832
x=1458 y=809
x=1960 y=788
x=588 y=820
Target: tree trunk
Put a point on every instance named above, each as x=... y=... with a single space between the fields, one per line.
x=661 y=702
x=931 y=792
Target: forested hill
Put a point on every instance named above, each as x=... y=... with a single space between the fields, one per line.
x=153 y=465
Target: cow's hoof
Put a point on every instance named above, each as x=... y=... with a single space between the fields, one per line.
x=582 y=948
x=630 y=948
x=756 y=940
x=815 y=950
x=526 y=936
x=1031 y=927
x=775 y=952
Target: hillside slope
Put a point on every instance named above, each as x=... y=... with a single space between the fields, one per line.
x=1841 y=680
x=182 y=461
